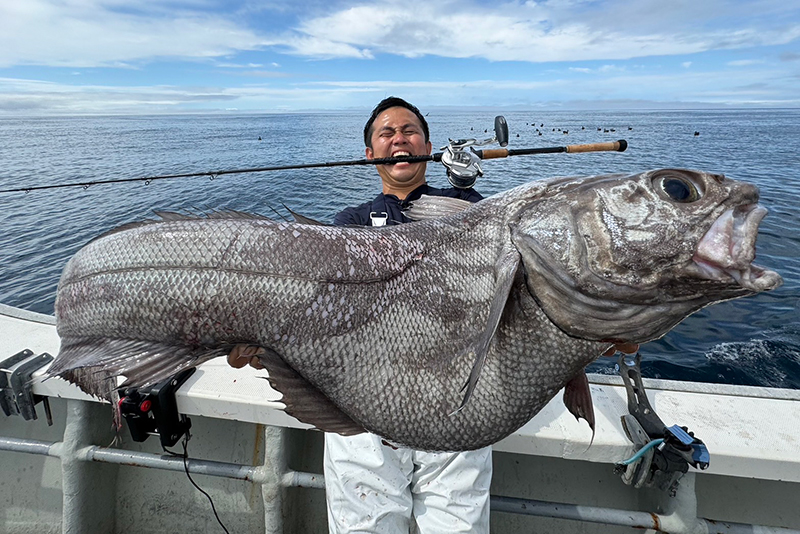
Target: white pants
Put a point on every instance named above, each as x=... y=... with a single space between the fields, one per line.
x=371 y=487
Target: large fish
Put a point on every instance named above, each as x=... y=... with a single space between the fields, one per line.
x=444 y=334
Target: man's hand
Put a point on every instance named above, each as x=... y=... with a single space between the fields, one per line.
x=626 y=348
x=244 y=354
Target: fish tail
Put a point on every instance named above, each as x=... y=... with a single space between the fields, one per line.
x=95 y=364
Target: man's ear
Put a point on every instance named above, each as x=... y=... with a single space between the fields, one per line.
x=368 y=152
x=430 y=147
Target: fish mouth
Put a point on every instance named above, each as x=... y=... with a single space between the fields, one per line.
x=726 y=252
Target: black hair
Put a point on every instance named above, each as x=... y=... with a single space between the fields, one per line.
x=393 y=102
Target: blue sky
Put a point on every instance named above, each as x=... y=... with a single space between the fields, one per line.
x=104 y=56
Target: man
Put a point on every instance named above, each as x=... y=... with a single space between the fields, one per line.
x=396 y=129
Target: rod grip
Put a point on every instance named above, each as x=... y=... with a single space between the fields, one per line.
x=494 y=153
x=614 y=146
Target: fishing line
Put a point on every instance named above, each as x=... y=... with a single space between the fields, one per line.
x=185 y=457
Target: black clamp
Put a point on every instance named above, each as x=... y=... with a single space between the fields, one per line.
x=16 y=385
x=154 y=410
x=663 y=454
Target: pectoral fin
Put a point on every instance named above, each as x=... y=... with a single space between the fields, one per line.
x=578 y=399
x=505 y=272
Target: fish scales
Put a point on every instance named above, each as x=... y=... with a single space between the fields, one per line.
x=514 y=296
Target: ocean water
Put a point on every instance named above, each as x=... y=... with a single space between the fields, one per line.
x=753 y=341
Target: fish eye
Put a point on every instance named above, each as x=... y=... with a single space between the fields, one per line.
x=679 y=189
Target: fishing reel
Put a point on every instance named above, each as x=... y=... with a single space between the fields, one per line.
x=464 y=166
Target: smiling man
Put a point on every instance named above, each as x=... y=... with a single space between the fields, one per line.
x=397 y=128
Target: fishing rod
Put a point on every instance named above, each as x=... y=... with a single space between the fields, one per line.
x=463 y=166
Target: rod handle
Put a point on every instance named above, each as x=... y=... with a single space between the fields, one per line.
x=614 y=146
x=493 y=153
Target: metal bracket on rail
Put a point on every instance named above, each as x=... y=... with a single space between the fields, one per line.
x=153 y=410
x=663 y=454
x=16 y=395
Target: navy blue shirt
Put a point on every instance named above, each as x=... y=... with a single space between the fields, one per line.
x=391 y=207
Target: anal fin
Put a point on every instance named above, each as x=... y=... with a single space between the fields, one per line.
x=304 y=401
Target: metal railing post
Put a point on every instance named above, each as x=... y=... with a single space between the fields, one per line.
x=272 y=474
x=88 y=488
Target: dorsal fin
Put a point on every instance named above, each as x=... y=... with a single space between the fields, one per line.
x=213 y=214
x=302 y=219
x=93 y=363
x=430 y=207
x=164 y=215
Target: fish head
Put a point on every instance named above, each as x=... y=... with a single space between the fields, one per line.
x=627 y=257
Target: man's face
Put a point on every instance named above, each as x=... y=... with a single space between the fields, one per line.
x=398 y=132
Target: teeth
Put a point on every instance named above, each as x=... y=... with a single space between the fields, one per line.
x=400 y=154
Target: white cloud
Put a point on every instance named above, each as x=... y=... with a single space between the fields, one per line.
x=533 y=32
x=92 y=33
x=227 y=65
x=686 y=64
x=30 y=96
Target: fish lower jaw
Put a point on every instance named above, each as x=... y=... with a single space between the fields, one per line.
x=751 y=277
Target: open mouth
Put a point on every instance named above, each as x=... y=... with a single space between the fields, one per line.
x=728 y=249
x=401 y=154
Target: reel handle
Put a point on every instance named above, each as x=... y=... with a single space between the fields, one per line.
x=501 y=130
